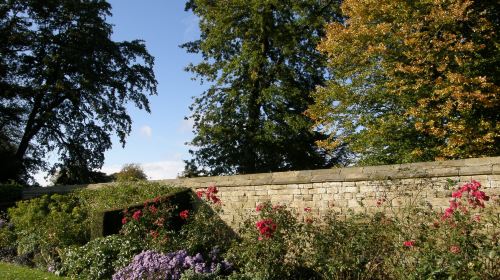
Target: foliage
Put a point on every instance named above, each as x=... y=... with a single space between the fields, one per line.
x=356 y=248
x=123 y=194
x=411 y=243
x=274 y=246
x=64 y=220
x=261 y=61
x=76 y=176
x=204 y=230
x=100 y=258
x=463 y=242
x=152 y=223
x=61 y=221
x=152 y=265
x=7 y=240
x=414 y=242
x=120 y=196
x=412 y=81
x=131 y=172
x=65 y=84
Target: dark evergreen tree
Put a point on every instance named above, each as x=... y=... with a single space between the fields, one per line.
x=261 y=61
x=64 y=83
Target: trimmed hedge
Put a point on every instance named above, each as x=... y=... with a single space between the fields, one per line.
x=109 y=221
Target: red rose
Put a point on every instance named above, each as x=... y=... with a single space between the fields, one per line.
x=184 y=214
x=409 y=243
x=153 y=209
x=137 y=215
x=455 y=249
x=200 y=194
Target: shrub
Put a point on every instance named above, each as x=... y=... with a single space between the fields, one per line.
x=274 y=245
x=412 y=243
x=204 y=230
x=100 y=258
x=461 y=243
x=47 y=224
x=354 y=248
x=115 y=197
x=7 y=240
x=110 y=221
x=151 y=223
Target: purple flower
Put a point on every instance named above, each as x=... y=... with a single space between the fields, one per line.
x=153 y=265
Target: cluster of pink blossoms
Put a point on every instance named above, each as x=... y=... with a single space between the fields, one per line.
x=475 y=198
x=266 y=228
x=209 y=194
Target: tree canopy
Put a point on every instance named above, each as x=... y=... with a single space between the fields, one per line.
x=412 y=81
x=64 y=84
x=261 y=62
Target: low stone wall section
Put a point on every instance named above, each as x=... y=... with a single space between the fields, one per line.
x=352 y=189
x=344 y=190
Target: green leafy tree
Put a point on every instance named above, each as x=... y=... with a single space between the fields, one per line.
x=412 y=81
x=131 y=172
x=64 y=84
x=261 y=62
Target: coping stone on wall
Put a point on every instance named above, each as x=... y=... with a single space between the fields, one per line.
x=437 y=169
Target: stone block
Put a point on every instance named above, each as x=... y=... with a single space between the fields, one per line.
x=326 y=175
x=351 y=189
x=306 y=186
x=352 y=203
x=303 y=197
x=262 y=188
x=367 y=188
x=495 y=169
x=261 y=192
x=475 y=170
x=282 y=198
x=332 y=190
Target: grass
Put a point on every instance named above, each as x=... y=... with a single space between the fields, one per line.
x=16 y=272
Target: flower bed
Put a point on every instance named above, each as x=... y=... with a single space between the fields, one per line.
x=279 y=243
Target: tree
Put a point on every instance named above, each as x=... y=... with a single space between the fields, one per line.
x=75 y=176
x=261 y=61
x=412 y=81
x=64 y=84
x=131 y=172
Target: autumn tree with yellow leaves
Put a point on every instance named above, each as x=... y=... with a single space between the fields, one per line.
x=412 y=81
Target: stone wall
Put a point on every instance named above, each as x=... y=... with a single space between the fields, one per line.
x=356 y=189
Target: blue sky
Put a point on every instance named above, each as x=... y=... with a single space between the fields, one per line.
x=157 y=140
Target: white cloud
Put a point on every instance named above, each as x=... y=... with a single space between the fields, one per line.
x=40 y=178
x=168 y=169
x=110 y=169
x=147 y=131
